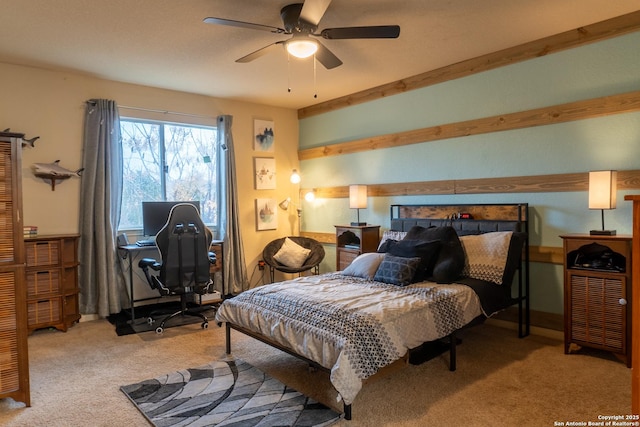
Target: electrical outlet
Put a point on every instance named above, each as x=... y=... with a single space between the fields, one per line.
x=261 y=265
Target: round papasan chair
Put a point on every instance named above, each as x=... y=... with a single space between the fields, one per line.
x=312 y=262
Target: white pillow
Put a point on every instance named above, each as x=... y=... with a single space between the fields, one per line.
x=291 y=254
x=364 y=265
x=486 y=255
x=393 y=235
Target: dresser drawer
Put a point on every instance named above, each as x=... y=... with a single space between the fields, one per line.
x=43 y=282
x=44 y=312
x=42 y=253
x=345 y=257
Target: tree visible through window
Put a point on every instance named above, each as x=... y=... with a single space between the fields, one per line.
x=167 y=161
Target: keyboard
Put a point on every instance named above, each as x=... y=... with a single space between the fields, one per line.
x=148 y=242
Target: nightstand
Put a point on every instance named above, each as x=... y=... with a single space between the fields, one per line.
x=352 y=241
x=597 y=293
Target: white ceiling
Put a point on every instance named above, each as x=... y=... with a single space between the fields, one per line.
x=164 y=43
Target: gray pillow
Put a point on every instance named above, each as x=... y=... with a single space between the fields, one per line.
x=397 y=270
x=364 y=265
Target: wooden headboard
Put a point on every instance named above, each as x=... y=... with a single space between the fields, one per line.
x=485 y=217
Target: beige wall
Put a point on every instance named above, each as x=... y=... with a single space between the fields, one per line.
x=51 y=105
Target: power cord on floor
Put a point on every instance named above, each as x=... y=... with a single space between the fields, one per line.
x=261 y=277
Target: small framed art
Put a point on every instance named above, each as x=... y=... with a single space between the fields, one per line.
x=266 y=214
x=264 y=169
x=263 y=135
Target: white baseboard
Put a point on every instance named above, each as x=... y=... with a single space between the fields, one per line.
x=88 y=317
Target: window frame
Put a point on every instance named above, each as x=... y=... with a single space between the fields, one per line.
x=163 y=166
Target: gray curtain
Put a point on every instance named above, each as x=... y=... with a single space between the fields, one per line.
x=102 y=290
x=228 y=228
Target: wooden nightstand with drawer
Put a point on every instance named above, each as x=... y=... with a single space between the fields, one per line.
x=52 y=281
x=352 y=241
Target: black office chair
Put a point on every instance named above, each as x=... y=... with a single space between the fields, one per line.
x=184 y=244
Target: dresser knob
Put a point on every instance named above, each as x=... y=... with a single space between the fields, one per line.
x=622 y=301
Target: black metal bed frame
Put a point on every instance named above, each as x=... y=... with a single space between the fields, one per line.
x=347 y=407
x=507 y=217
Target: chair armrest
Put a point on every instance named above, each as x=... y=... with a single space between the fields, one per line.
x=149 y=262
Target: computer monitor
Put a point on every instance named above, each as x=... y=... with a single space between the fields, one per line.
x=156 y=214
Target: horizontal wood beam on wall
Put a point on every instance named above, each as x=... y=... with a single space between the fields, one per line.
x=546 y=254
x=579 y=110
x=567 y=40
x=627 y=180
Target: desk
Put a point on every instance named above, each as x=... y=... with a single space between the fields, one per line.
x=135 y=252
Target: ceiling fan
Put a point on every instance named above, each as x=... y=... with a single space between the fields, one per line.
x=301 y=22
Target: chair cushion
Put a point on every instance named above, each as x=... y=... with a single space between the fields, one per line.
x=291 y=254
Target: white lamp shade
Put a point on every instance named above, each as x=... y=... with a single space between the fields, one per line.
x=295 y=177
x=357 y=196
x=602 y=189
x=284 y=205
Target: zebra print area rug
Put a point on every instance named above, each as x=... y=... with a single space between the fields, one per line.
x=225 y=393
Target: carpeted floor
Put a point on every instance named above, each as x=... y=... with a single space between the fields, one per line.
x=225 y=393
x=501 y=380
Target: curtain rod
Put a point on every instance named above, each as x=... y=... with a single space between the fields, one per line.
x=165 y=112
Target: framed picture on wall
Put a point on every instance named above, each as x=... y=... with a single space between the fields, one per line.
x=264 y=169
x=263 y=135
x=266 y=214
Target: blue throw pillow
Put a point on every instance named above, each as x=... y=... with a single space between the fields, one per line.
x=397 y=270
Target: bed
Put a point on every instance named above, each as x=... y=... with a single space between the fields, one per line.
x=438 y=269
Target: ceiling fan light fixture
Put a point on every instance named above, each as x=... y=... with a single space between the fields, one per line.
x=301 y=47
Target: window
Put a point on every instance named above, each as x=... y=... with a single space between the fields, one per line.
x=167 y=161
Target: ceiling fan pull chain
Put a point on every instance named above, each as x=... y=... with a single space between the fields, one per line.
x=288 y=72
x=315 y=82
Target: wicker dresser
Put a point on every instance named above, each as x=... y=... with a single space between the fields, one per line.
x=52 y=281
x=14 y=361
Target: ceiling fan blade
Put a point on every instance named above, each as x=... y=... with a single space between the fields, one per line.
x=327 y=58
x=313 y=10
x=372 y=32
x=242 y=24
x=258 y=53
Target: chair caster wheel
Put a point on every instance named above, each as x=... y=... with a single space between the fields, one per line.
x=205 y=325
x=159 y=330
x=151 y=320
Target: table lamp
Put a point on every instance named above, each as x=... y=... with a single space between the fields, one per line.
x=358 y=200
x=602 y=195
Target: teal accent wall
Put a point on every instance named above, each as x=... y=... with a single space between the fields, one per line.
x=605 y=68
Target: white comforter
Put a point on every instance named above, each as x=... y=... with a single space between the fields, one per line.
x=350 y=325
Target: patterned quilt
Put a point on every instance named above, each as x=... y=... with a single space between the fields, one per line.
x=350 y=325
